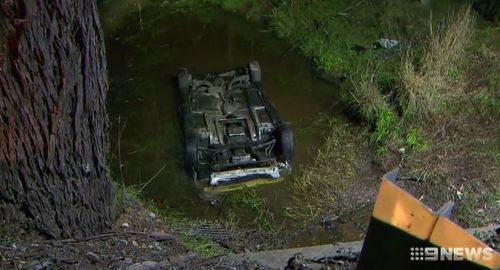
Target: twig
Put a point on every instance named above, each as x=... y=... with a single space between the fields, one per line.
x=99 y=236
x=344 y=11
x=120 y=131
x=291 y=49
x=140 y=15
x=153 y=177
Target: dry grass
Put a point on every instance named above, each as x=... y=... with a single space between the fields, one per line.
x=438 y=78
x=365 y=96
x=459 y=166
x=316 y=188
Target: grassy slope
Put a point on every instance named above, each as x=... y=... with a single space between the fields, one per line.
x=451 y=141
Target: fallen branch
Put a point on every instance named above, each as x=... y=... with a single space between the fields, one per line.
x=153 y=177
x=155 y=236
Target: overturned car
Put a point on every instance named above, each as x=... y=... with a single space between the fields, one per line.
x=231 y=130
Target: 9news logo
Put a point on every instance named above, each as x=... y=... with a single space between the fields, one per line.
x=433 y=254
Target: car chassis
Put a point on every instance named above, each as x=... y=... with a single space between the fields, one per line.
x=231 y=130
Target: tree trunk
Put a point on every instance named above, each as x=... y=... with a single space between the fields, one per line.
x=53 y=122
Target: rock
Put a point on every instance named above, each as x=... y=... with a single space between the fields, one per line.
x=125 y=263
x=386 y=43
x=37 y=265
x=150 y=263
x=134 y=243
x=146 y=265
x=161 y=236
x=93 y=258
x=329 y=223
x=181 y=260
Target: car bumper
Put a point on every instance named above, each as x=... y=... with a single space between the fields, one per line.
x=272 y=172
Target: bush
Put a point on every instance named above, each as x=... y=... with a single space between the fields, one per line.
x=365 y=98
x=433 y=81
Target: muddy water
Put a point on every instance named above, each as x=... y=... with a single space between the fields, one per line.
x=146 y=44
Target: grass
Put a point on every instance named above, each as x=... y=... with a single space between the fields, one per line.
x=202 y=245
x=246 y=202
x=366 y=98
x=386 y=126
x=434 y=79
x=490 y=102
x=415 y=141
x=231 y=5
x=315 y=188
x=131 y=197
x=323 y=35
x=127 y=196
x=400 y=99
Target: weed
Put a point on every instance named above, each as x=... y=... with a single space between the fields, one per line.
x=366 y=98
x=202 y=246
x=493 y=150
x=436 y=80
x=386 y=125
x=488 y=102
x=316 y=188
x=248 y=201
x=127 y=196
x=230 y=5
x=382 y=150
x=415 y=141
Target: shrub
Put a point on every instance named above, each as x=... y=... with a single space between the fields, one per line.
x=433 y=81
x=365 y=97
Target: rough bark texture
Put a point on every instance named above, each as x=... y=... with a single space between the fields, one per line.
x=53 y=123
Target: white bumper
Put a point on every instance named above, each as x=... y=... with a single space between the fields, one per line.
x=226 y=176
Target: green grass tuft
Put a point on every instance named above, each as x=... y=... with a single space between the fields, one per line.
x=202 y=246
x=248 y=202
x=488 y=102
x=386 y=126
x=415 y=140
x=127 y=196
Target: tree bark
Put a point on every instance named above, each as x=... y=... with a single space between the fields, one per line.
x=53 y=122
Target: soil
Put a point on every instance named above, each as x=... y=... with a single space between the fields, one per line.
x=138 y=240
x=131 y=243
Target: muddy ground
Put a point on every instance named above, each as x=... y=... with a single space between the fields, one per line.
x=139 y=240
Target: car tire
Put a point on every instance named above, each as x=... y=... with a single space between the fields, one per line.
x=183 y=82
x=286 y=142
x=254 y=72
x=190 y=152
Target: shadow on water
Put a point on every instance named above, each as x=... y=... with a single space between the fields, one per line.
x=145 y=47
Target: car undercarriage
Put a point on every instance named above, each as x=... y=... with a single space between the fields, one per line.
x=231 y=130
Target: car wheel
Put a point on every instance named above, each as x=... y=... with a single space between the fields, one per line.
x=286 y=142
x=183 y=82
x=254 y=72
x=191 y=152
